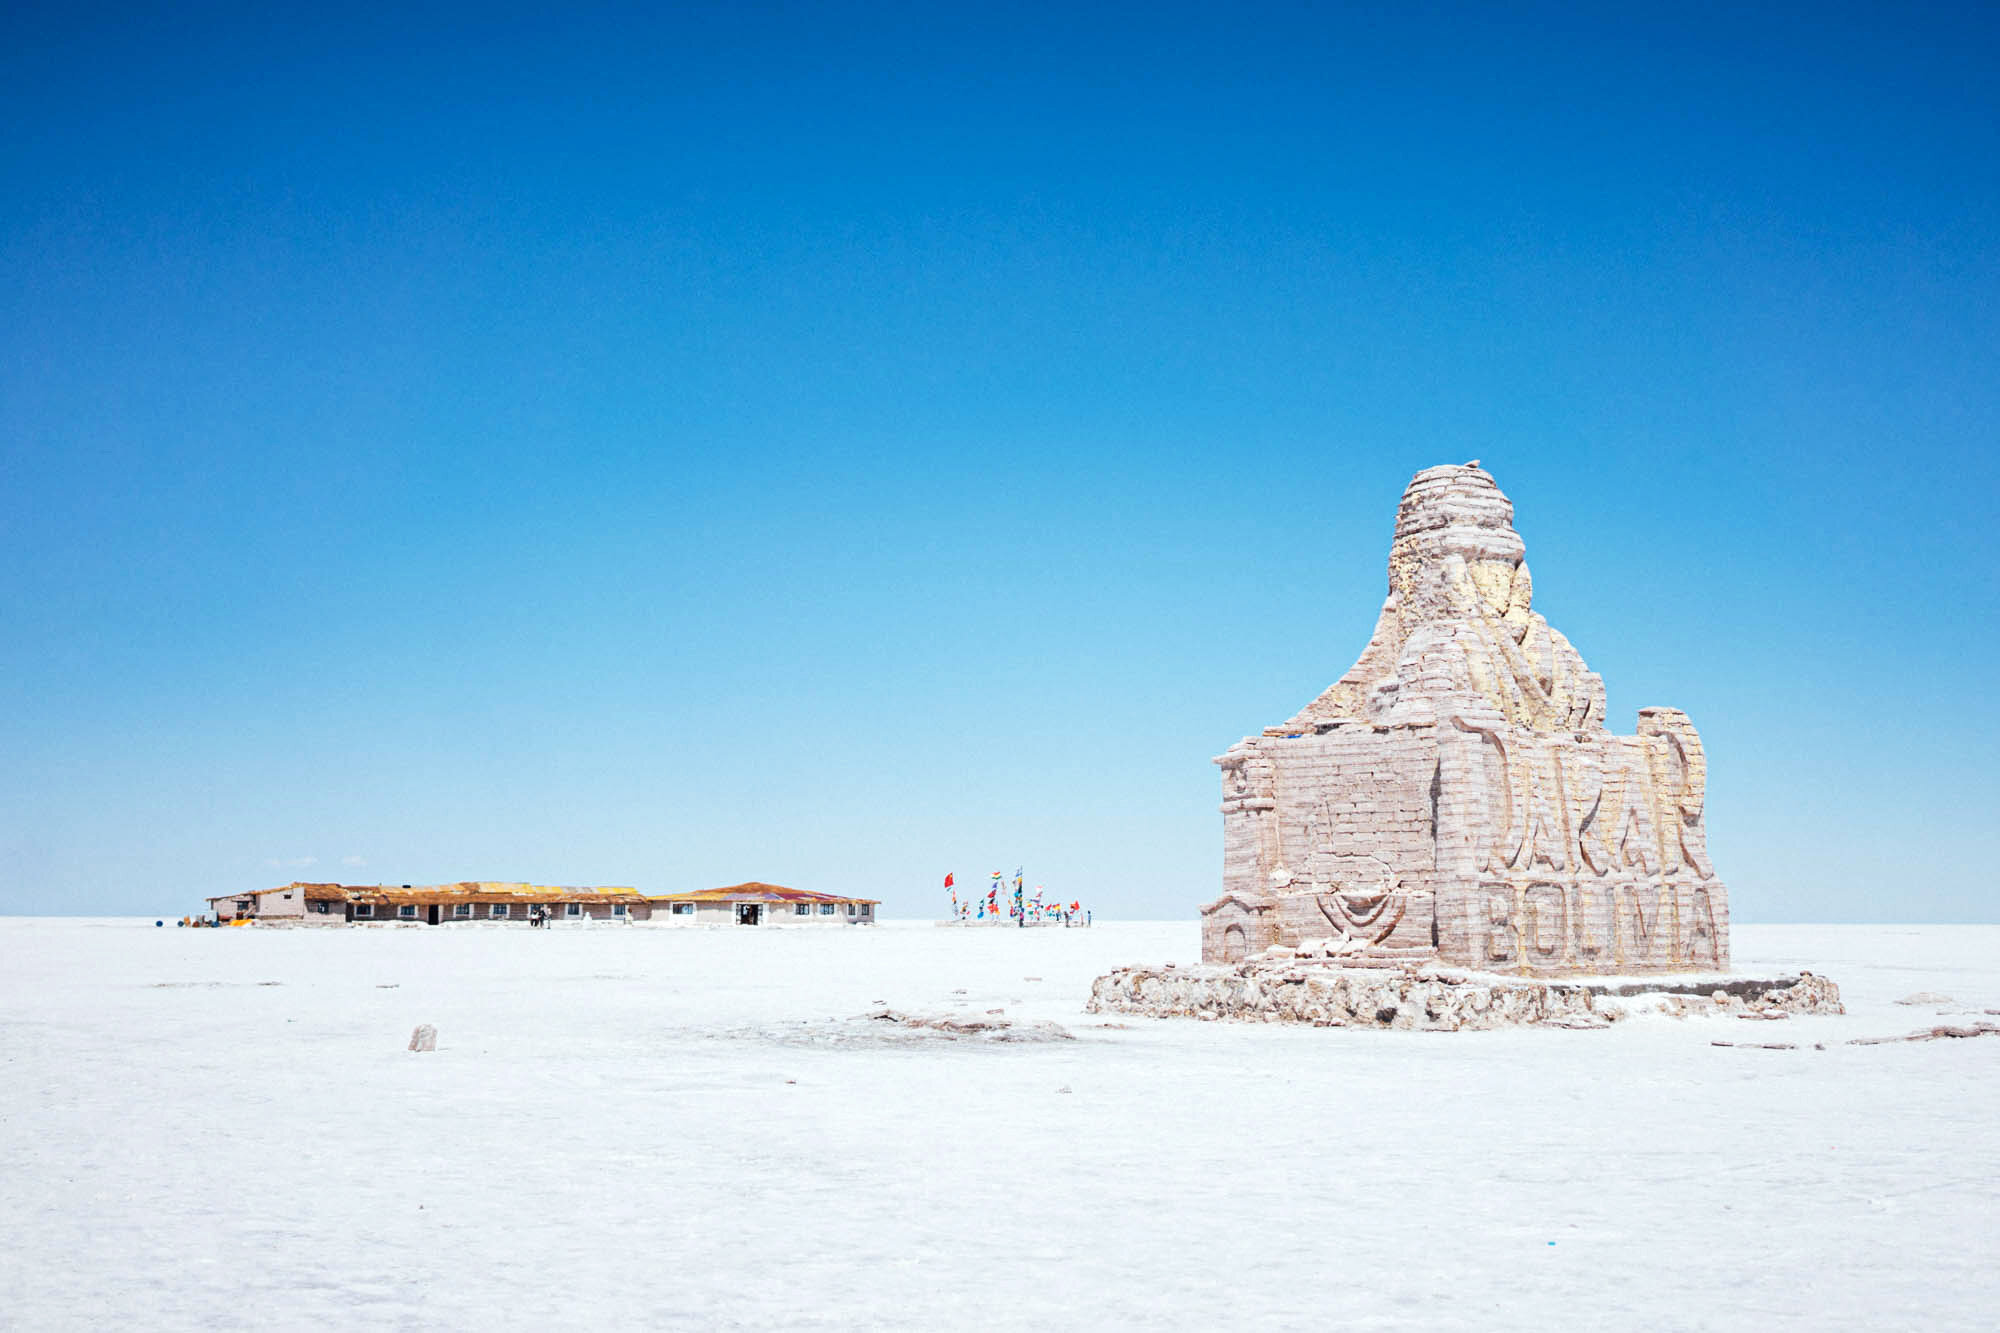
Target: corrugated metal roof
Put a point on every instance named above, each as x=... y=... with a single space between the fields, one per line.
x=756 y=892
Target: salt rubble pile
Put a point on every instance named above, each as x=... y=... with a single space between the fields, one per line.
x=991 y=1026
x=884 y=1027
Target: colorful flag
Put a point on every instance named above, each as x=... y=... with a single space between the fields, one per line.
x=947 y=880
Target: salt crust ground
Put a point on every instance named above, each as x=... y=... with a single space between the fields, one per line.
x=632 y=1128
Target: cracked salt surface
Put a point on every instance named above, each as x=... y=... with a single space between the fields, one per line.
x=628 y=1127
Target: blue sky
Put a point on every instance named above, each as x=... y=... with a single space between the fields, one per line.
x=841 y=446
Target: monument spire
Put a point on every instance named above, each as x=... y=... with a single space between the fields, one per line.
x=1457 y=632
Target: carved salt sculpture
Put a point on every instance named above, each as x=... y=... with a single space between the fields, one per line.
x=1456 y=796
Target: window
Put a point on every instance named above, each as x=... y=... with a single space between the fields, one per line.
x=364 y=909
x=865 y=907
x=826 y=909
x=497 y=910
x=618 y=909
x=802 y=909
x=242 y=904
x=407 y=909
x=683 y=909
x=850 y=909
x=322 y=908
x=573 y=909
x=463 y=909
x=288 y=893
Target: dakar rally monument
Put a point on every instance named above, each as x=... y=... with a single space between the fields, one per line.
x=1457 y=796
x=1450 y=837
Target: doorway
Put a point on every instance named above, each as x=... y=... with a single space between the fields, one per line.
x=749 y=914
x=435 y=909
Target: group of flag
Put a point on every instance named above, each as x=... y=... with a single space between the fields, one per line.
x=1019 y=907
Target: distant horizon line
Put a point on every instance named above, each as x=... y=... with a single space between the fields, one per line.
x=880 y=917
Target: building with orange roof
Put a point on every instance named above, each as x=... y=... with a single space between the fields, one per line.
x=508 y=902
x=759 y=904
x=462 y=903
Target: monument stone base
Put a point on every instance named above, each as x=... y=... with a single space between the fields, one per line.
x=1333 y=991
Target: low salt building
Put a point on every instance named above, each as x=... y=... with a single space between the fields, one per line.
x=756 y=904
x=463 y=903
x=287 y=903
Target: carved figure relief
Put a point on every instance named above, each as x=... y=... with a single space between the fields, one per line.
x=1371 y=918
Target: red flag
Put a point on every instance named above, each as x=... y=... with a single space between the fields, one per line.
x=947 y=881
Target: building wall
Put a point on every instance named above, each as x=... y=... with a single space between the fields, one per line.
x=282 y=903
x=519 y=913
x=590 y=913
x=662 y=914
x=786 y=914
x=775 y=914
x=265 y=904
x=388 y=913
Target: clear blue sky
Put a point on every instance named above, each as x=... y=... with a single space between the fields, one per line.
x=839 y=446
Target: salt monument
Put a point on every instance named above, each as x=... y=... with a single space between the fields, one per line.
x=1456 y=794
x=1456 y=803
